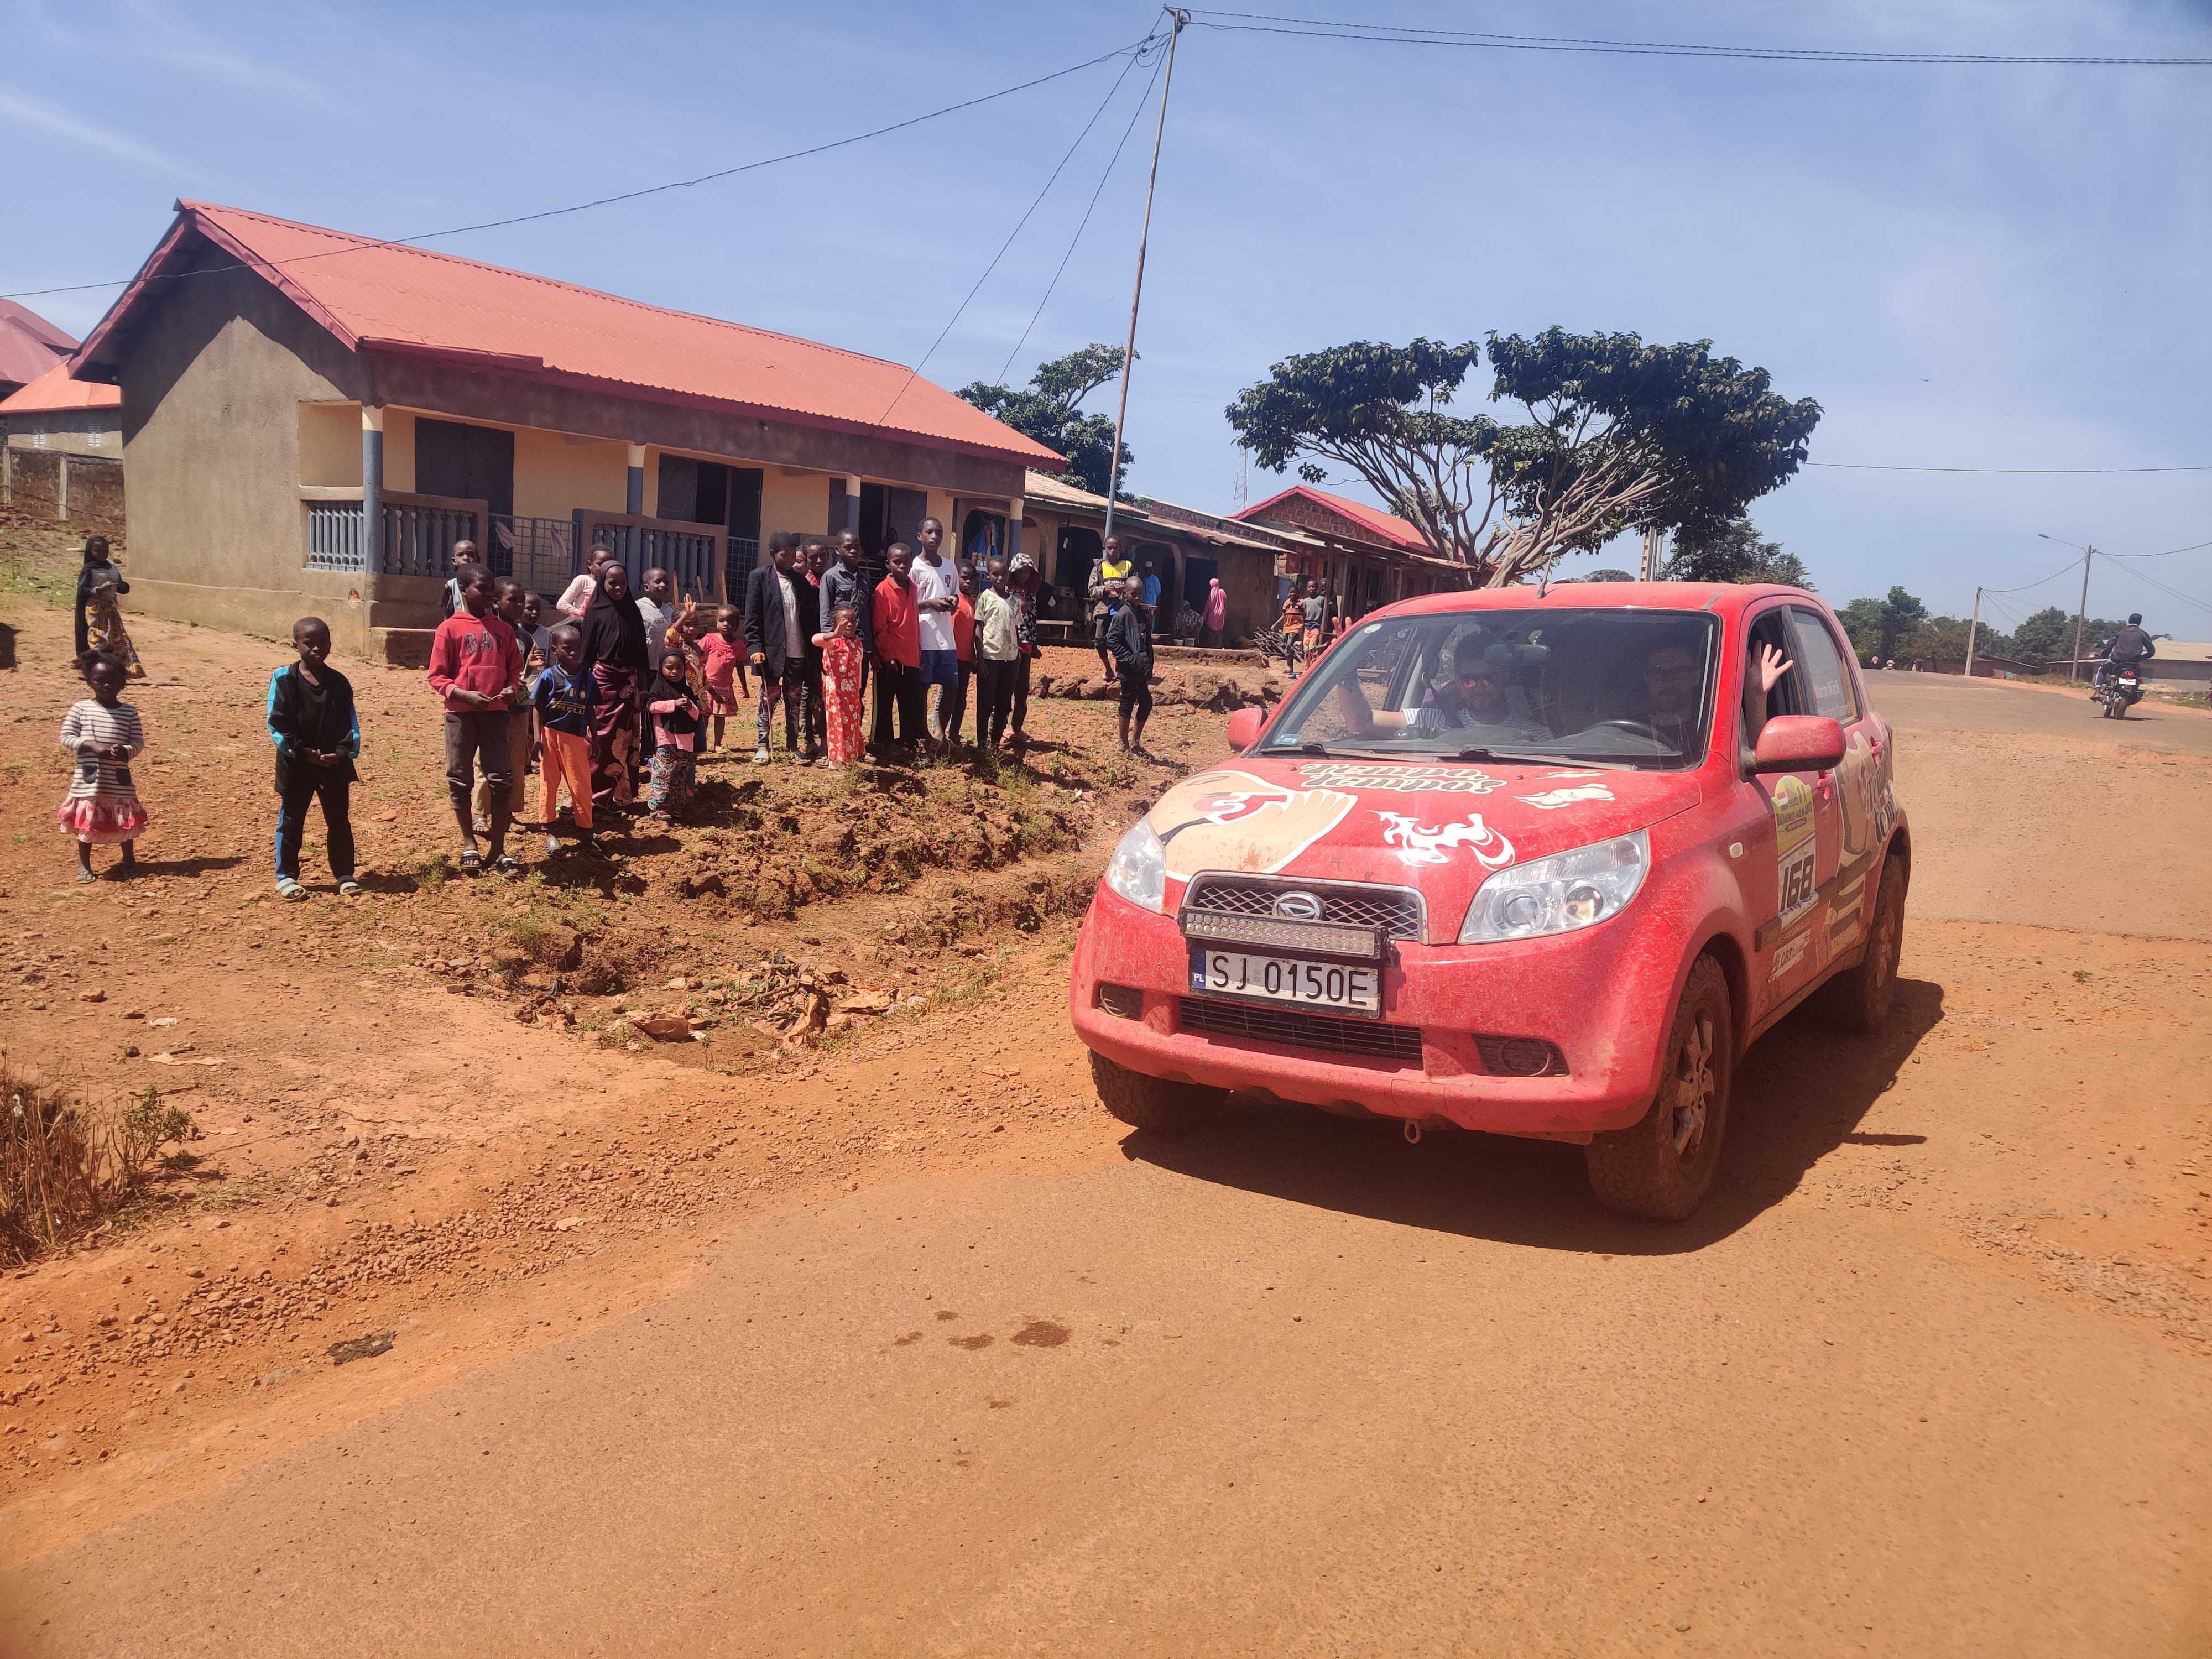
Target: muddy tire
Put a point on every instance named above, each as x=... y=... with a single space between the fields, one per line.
x=1153 y=1103
x=1859 y=999
x=1661 y=1167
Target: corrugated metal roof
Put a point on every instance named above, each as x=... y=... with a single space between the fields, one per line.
x=381 y=296
x=1384 y=526
x=29 y=345
x=54 y=391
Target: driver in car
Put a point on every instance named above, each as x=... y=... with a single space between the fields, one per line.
x=1479 y=698
x=1673 y=675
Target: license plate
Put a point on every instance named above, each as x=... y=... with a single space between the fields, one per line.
x=1288 y=979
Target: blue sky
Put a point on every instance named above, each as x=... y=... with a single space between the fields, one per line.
x=1966 y=267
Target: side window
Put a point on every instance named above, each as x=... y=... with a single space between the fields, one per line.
x=1822 y=664
x=1789 y=695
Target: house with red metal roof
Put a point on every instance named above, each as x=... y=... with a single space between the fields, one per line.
x=29 y=346
x=61 y=450
x=1368 y=557
x=311 y=419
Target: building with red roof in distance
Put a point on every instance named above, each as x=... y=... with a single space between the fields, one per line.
x=1368 y=557
x=29 y=346
x=286 y=388
x=61 y=448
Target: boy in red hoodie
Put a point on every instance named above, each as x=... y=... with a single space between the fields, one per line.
x=475 y=665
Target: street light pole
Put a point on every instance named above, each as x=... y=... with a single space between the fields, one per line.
x=1137 y=296
x=2074 y=668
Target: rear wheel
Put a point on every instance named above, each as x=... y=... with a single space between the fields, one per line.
x=1153 y=1103
x=1661 y=1167
x=1859 y=999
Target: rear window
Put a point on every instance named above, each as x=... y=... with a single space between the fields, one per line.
x=1626 y=687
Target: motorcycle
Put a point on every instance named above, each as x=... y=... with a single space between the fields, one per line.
x=2121 y=690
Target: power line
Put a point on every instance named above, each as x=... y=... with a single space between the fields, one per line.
x=2048 y=471
x=2169 y=553
x=1136 y=57
x=1111 y=163
x=2039 y=582
x=622 y=196
x=1387 y=34
x=2171 y=592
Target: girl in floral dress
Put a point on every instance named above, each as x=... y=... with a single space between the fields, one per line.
x=841 y=660
x=102 y=734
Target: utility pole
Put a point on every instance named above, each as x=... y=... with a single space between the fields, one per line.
x=1649 y=571
x=2074 y=668
x=1972 y=626
x=1178 y=18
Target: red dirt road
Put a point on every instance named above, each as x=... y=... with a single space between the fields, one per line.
x=1929 y=1375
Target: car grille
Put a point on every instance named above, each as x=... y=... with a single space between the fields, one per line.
x=1396 y=910
x=1365 y=1038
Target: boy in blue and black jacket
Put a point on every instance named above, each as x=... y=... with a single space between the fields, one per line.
x=313 y=722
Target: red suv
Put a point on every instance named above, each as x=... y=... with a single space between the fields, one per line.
x=1535 y=863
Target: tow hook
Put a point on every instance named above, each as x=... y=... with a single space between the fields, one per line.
x=1412 y=1133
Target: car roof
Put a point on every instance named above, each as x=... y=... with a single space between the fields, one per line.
x=1723 y=598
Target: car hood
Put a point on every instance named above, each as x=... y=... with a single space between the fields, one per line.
x=1438 y=828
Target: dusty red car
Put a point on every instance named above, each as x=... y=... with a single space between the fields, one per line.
x=1537 y=864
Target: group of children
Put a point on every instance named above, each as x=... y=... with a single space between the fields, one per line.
x=619 y=691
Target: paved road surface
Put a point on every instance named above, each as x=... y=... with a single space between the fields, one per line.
x=1296 y=1387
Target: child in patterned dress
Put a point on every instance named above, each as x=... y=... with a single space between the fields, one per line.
x=102 y=734
x=842 y=661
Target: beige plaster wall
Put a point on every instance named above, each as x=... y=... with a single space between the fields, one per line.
x=329 y=444
x=797 y=501
x=557 y=473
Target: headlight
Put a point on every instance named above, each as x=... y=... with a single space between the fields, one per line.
x=1139 y=868
x=1560 y=894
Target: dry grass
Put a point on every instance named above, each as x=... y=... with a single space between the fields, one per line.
x=66 y=1166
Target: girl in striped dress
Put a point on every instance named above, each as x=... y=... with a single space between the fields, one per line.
x=102 y=733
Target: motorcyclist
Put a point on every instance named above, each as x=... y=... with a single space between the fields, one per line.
x=2127 y=649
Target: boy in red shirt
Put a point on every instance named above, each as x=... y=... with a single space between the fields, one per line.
x=475 y=666
x=897 y=631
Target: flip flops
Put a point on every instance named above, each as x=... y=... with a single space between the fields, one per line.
x=288 y=888
x=471 y=862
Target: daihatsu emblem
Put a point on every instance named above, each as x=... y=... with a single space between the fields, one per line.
x=1298 y=906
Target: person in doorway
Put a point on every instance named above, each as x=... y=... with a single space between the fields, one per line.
x=1129 y=637
x=1104 y=593
x=465 y=554
x=475 y=668
x=897 y=631
x=103 y=735
x=615 y=656
x=936 y=597
x=1151 y=597
x=97 y=571
x=1215 y=617
x=313 y=722
x=779 y=620
x=997 y=653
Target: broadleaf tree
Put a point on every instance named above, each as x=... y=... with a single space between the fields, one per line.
x=1734 y=552
x=1602 y=433
x=1049 y=410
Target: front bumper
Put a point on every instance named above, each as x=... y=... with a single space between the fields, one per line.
x=1602 y=997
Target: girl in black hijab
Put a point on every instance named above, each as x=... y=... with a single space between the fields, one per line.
x=615 y=657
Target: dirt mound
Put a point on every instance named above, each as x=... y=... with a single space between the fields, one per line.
x=1218 y=691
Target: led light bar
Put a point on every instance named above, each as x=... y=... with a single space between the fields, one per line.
x=1332 y=938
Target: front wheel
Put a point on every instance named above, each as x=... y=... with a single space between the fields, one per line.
x=1661 y=1167
x=1153 y=1103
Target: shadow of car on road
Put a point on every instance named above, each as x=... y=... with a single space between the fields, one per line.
x=1801 y=1092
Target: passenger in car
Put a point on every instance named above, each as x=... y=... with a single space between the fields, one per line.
x=1479 y=697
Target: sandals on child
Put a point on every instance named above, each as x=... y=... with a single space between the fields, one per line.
x=471 y=862
x=288 y=888
x=507 y=865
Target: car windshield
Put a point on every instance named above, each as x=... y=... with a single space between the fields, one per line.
x=1610 y=687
